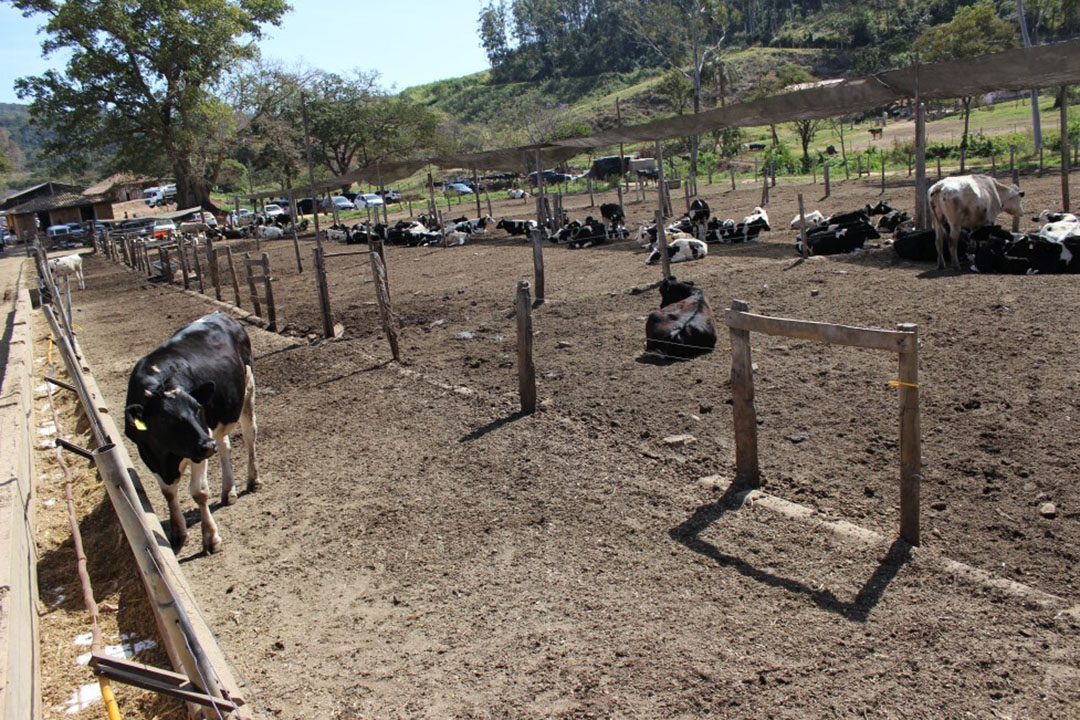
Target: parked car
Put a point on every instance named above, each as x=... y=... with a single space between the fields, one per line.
x=272 y=210
x=59 y=234
x=390 y=196
x=340 y=202
x=242 y=219
x=77 y=229
x=208 y=218
x=551 y=177
x=456 y=188
x=163 y=226
x=369 y=200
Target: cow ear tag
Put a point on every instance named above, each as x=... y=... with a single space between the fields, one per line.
x=139 y=424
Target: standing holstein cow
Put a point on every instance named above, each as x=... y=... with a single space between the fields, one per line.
x=683 y=327
x=196 y=383
x=968 y=202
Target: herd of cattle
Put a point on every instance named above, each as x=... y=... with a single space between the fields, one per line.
x=187 y=396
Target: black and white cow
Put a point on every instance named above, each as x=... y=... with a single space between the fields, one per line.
x=892 y=220
x=844 y=233
x=1000 y=251
x=612 y=213
x=183 y=401
x=588 y=234
x=516 y=227
x=683 y=327
x=882 y=208
x=679 y=250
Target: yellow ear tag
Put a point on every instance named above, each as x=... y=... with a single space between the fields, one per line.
x=139 y=424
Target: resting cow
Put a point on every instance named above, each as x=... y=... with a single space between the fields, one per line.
x=516 y=227
x=680 y=250
x=969 y=202
x=683 y=327
x=197 y=382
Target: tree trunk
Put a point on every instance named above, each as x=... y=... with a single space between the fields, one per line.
x=1036 y=124
x=192 y=189
x=775 y=139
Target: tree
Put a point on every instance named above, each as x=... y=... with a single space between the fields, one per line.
x=140 y=79
x=775 y=82
x=687 y=35
x=806 y=130
x=972 y=30
x=722 y=72
x=676 y=91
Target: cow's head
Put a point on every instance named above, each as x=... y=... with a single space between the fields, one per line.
x=673 y=290
x=173 y=421
x=1011 y=201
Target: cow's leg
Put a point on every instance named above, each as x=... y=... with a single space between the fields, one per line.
x=250 y=429
x=177 y=523
x=224 y=448
x=954 y=245
x=200 y=491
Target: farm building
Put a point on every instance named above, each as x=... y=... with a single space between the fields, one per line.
x=41 y=212
x=18 y=197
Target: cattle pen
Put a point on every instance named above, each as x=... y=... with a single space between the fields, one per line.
x=524 y=515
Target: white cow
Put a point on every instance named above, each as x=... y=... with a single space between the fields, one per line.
x=1046 y=216
x=968 y=202
x=680 y=250
x=68 y=266
x=271 y=232
x=1058 y=231
x=813 y=219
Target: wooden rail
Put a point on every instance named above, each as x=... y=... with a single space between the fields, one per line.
x=903 y=340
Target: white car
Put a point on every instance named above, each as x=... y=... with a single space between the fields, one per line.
x=369 y=200
x=340 y=202
x=272 y=210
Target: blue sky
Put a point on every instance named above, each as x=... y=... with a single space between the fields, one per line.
x=409 y=43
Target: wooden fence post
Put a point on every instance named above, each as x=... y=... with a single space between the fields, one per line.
x=922 y=210
x=295 y=238
x=323 y=293
x=183 y=263
x=828 y=186
x=733 y=178
x=538 y=262
x=253 y=294
x=382 y=294
x=526 y=368
x=198 y=269
x=166 y=265
x=910 y=440
x=883 y=174
x=268 y=288
x=747 y=472
x=1065 y=200
x=215 y=269
x=1012 y=165
x=232 y=274
x=802 y=228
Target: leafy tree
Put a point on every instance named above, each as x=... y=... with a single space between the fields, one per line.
x=687 y=35
x=233 y=176
x=775 y=81
x=723 y=73
x=806 y=130
x=972 y=30
x=676 y=91
x=140 y=79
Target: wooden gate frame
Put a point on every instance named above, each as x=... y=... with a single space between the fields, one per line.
x=252 y=266
x=904 y=341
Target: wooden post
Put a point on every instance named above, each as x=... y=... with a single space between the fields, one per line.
x=433 y=208
x=1065 y=148
x=939 y=166
x=858 y=158
x=166 y=265
x=747 y=472
x=686 y=193
x=232 y=274
x=1041 y=160
x=476 y=191
x=183 y=263
x=588 y=184
x=311 y=167
x=764 y=188
x=540 y=216
x=910 y=440
x=922 y=210
x=268 y=291
x=215 y=271
x=236 y=214
x=802 y=228
x=813 y=168
x=526 y=369
x=323 y=293
x=909 y=163
x=538 y=263
x=883 y=174
x=382 y=294
x=1012 y=165
x=662 y=246
x=828 y=186
x=993 y=164
x=198 y=269
x=487 y=197
x=622 y=161
x=295 y=239
x=733 y=178
x=253 y=294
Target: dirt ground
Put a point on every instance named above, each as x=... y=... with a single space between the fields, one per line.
x=420 y=550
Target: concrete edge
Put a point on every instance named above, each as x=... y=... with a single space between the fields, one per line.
x=856 y=535
x=20 y=661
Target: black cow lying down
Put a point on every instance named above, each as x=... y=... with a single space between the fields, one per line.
x=999 y=251
x=842 y=233
x=683 y=327
x=921 y=246
x=196 y=383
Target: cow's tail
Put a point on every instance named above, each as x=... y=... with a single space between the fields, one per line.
x=936 y=214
